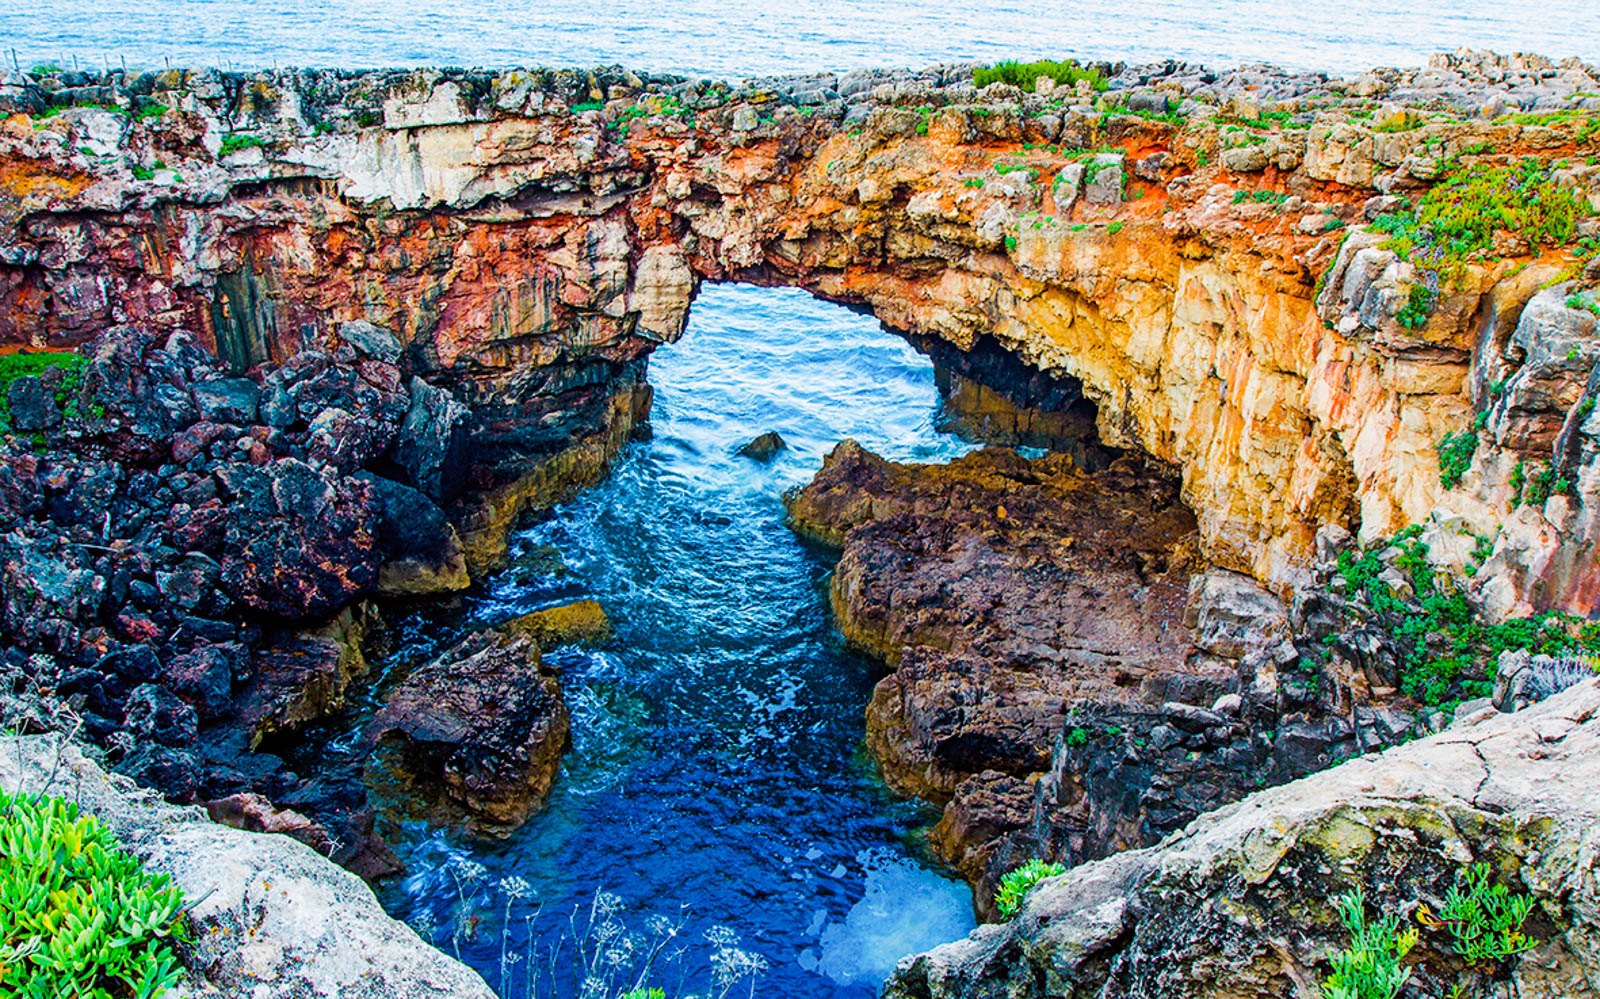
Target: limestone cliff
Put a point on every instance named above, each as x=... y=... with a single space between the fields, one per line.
x=1191 y=250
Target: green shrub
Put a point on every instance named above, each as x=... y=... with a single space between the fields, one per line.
x=1026 y=74
x=582 y=106
x=1469 y=646
x=1014 y=887
x=1486 y=920
x=78 y=915
x=235 y=141
x=1419 y=306
x=1370 y=967
x=1455 y=456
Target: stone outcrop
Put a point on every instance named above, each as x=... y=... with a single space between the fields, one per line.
x=271 y=917
x=482 y=723
x=1240 y=903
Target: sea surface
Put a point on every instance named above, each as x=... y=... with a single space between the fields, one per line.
x=733 y=40
x=717 y=780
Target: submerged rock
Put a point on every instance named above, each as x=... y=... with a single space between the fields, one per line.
x=582 y=622
x=483 y=723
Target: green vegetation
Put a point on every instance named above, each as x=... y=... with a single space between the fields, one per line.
x=1077 y=736
x=1447 y=652
x=1486 y=919
x=14 y=366
x=78 y=915
x=142 y=173
x=644 y=994
x=368 y=118
x=1419 y=306
x=1585 y=301
x=1370 y=967
x=1260 y=197
x=235 y=141
x=583 y=106
x=1011 y=244
x=1014 y=887
x=1455 y=455
x=1484 y=922
x=1114 y=228
x=1456 y=221
x=1026 y=74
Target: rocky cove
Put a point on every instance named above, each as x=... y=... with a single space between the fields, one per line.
x=1300 y=369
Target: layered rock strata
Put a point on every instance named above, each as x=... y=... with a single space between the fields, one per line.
x=1174 y=245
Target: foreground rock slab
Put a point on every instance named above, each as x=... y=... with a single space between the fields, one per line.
x=1239 y=904
x=272 y=918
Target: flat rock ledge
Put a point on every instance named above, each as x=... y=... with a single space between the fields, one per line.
x=272 y=918
x=1239 y=903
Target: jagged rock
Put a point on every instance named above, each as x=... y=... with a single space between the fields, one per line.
x=484 y=723
x=1239 y=904
x=431 y=445
x=1230 y=615
x=299 y=542
x=764 y=447
x=582 y=622
x=32 y=406
x=154 y=712
x=422 y=554
x=941 y=718
x=227 y=400
x=302 y=676
x=271 y=919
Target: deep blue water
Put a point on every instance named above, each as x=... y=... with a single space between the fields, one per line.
x=730 y=39
x=717 y=773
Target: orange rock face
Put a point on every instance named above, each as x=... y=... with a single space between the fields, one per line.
x=532 y=257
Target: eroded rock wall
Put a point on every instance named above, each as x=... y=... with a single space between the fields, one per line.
x=531 y=249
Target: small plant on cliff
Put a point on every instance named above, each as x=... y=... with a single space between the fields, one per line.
x=1485 y=920
x=1413 y=315
x=1455 y=455
x=233 y=142
x=1370 y=967
x=1014 y=887
x=78 y=915
x=1026 y=74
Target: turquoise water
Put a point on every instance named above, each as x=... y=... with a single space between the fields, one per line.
x=717 y=774
x=733 y=40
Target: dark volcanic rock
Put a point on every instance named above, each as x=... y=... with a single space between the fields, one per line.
x=227 y=400
x=299 y=543
x=485 y=723
x=422 y=553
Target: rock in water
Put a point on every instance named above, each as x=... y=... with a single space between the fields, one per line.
x=765 y=447
x=582 y=622
x=485 y=723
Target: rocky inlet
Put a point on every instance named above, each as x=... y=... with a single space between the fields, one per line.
x=1302 y=370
